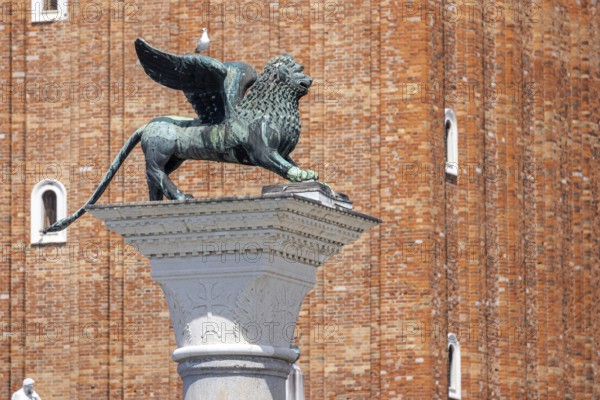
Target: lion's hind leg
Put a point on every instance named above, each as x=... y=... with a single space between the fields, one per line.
x=171 y=166
x=160 y=184
x=159 y=163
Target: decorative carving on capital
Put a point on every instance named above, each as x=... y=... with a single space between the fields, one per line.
x=211 y=302
x=177 y=309
x=197 y=307
x=211 y=297
x=270 y=307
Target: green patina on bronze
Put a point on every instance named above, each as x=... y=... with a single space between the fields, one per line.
x=242 y=118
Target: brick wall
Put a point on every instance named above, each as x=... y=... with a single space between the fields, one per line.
x=505 y=256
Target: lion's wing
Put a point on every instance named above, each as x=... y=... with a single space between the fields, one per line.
x=240 y=77
x=201 y=78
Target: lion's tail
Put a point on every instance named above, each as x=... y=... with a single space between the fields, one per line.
x=108 y=176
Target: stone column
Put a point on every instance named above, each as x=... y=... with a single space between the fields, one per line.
x=234 y=272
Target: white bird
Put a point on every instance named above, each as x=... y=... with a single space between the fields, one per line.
x=204 y=41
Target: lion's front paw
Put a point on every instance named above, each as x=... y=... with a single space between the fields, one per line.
x=296 y=174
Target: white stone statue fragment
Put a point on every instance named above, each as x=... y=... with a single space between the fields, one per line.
x=26 y=392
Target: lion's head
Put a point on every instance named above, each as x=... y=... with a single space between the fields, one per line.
x=284 y=70
x=276 y=93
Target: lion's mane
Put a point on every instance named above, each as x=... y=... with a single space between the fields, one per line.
x=272 y=96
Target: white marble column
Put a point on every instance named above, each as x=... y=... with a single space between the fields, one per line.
x=234 y=272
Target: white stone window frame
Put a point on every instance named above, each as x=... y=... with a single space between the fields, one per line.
x=37 y=211
x=39 y=15
x=451 y=137
x=454 y=386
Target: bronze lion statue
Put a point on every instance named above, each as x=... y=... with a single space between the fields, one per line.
x=242 y=118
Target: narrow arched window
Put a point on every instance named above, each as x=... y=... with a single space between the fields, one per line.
x=451 y=140
x=294 y=385
x=49 y=200
x=50 y=5
x=454 y=374
x=48 y=205
x=49 y=10
x=450 y=355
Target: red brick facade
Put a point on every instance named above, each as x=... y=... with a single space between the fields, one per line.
x=506 y=256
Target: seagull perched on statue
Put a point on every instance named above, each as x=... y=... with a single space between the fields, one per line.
x=204 y=41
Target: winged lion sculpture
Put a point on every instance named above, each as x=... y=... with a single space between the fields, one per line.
x=243 y=118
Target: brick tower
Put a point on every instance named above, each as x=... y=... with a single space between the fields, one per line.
x=498 y=249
